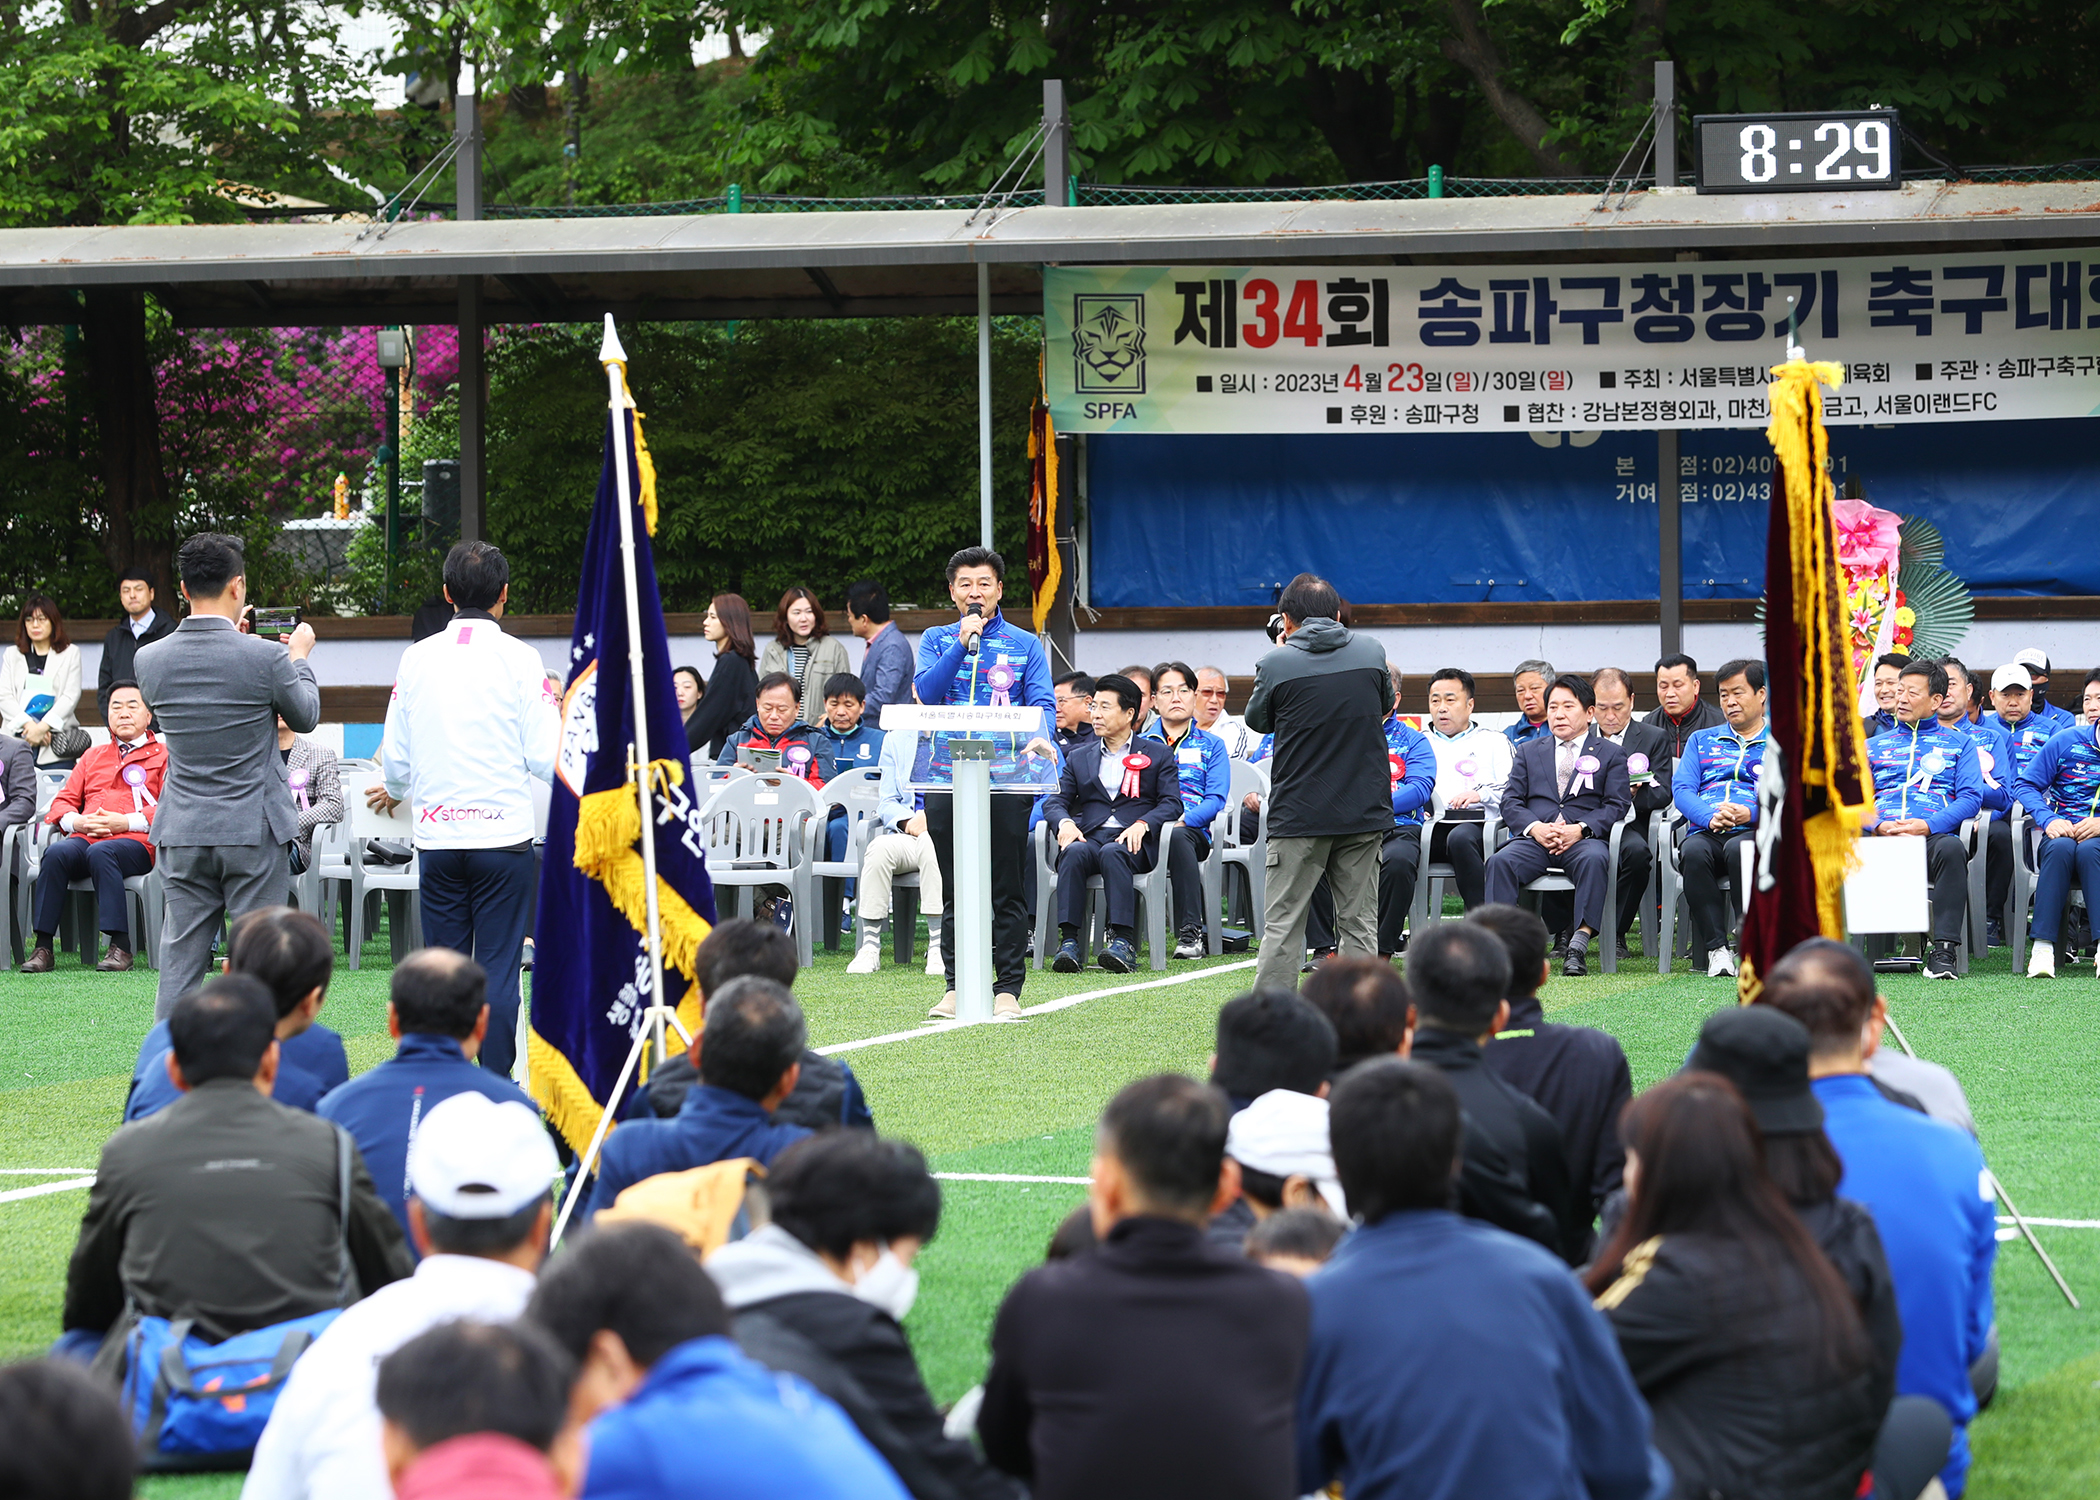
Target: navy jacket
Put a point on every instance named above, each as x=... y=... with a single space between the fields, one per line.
x=886 y=670
x=1081 y=797
x=712 y=1125
x=1596 y=799
x=381 y=1108
x=308 y=1066
x=1451 y=1361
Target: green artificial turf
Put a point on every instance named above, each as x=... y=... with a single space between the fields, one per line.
x=1022 y=1100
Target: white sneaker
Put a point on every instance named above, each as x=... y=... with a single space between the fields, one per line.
x=2041 y=960
x=934 y=968
x=866 y=959
x=1720 y=963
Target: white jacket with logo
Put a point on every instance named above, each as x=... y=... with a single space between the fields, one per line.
x=471 y=722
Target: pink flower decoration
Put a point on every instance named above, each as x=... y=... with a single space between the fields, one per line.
x=1869 y=538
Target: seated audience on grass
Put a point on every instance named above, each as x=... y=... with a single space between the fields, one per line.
x=1577 y=1074
x=690 y=688
x=898 y=845
x=749 y=1056
x=847 y=740
x=776 y=726
x=1141 y=675
x=673 y=1407
x=1280 y=1144
x=437 y=1010
x=803 y=646
x=2060 y=788
x=1738 y=1330
x=477 y=1411
x=1296 y=1241
x=1109 y=825
x=1651 y=758
x=732 y=684
x=1715 y=788
x=2037 y=666
x=1157 y=1364
x=1075 y=709
x=1411 y=770
x=886 y=660
x=1460 y=977
x=1994 y=765
x=1680 y=711
x=833 y=1271
x=1926 y=785
x=2012 y=700
x=1924 y=1181
x=225 y=1208
x=1271 y=1039
x=479 y=1213
x=66 y=1436
x=315 y=778
x=1205 y=773
x=1888 y=678
x=1472 y=763
x=1367 y=1003
x=826 y=1094
x=1451 y=1361
x=1530 y=682
x=291 y=953
x=1567 y=791
x=1213 y=688
x=103 y=816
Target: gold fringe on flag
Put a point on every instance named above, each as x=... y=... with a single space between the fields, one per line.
x=644 y=465
x=1834 y=748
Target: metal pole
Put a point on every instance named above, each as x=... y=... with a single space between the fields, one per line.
x=473 y=374
x=984 y=403
x=393 y=484
x=614 y=358
x=1666 y=124
x=1057 y=145
x=1670 y=537
x=972 y=791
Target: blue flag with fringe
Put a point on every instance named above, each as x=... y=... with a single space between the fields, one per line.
x=591 y=975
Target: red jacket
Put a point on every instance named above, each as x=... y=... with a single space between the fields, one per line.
x=98 y=785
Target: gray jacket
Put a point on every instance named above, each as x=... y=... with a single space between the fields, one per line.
x=1325 y=694
x=217 y=694
x=324 y=789
x=17 y=782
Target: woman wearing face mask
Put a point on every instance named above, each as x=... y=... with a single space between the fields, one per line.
x=802 y=646
x=732 y=687
x=831 y=1277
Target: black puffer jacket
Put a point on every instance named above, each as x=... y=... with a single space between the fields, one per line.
x=1728 y=1351
x=1324 y=694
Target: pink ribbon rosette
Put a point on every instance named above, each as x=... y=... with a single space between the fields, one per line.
x=1132 y=764
x=1637 y=766
x=1001 y=679
x=798 y=760
x=298 y=781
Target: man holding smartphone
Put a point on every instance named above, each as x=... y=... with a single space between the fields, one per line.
x=226 y=815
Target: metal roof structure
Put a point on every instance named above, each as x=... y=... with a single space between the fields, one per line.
x=924 y=262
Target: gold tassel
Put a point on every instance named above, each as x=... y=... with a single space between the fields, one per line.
x=553 y=1084
x=608 y=825
x=644 y=465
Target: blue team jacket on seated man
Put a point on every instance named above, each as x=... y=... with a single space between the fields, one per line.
x=1994 y=764
x=1009 y=667
x=1411 y=762
x=859 y=751
x=1205 y=772
x=1926 y=770
x=1718 y=765
x=2062 y=780
x=2024 y=739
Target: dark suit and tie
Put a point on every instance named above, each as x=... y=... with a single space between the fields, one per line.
x=1103 y=813
x=1583 y=783
x=1649 y=798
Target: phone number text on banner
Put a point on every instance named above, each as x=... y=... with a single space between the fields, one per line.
x=1516 y=348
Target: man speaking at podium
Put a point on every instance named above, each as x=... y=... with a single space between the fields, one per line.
x=982 y=661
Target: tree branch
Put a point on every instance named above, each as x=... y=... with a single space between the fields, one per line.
x=1472 y=50
x=135 y=28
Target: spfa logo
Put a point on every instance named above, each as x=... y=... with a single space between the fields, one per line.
x=1108 y=343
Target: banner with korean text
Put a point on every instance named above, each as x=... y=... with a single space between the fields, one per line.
x=1220 y=349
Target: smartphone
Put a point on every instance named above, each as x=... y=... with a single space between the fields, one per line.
x=274 y=624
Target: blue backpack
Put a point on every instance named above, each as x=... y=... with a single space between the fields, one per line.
x=196 y=1405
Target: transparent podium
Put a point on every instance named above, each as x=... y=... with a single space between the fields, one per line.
x=974 y=754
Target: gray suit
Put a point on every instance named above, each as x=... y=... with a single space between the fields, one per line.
x=225 y=812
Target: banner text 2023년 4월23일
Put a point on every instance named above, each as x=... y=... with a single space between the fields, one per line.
x=1220 y=349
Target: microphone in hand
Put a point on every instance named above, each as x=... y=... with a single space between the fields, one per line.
x=975 y=611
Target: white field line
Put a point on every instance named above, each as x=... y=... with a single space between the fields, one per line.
x=1065 y=1003
x=1008 y=1177
x=44 y=1188
x=46 y=1171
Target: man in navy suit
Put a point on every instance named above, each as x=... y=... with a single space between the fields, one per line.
x=1117 y=792
x=1565 y=791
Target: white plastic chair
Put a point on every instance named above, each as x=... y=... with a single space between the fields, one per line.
x=14 y=913
x=855 y=791
x=1676 y=908
x=1556 y=880
x=757 y=835
x=144 y=898
x=1439 y=877
x=1155 y=894
x=1249 y=856
x=401 y=885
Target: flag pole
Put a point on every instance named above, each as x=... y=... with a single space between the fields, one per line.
x=614 y=358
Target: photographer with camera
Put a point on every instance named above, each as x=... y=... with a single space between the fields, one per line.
x=226 y=813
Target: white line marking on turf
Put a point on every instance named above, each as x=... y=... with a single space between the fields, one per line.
x=44 y=1171
x=43 y=1188
x=1066 y=1003
x=1007 y=1177
x=2054 y=1223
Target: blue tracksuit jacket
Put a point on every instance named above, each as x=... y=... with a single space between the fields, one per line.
x=1411 y=760
x=1524 y=731
x=2025 y=737
x=308 y=1066
x=1928 y=771
x=860 y=750
x=1718 y=765
x=1994 y=765
x=1206 y=776
x=948 y=675
x=712 y=1125
x=2062 y=779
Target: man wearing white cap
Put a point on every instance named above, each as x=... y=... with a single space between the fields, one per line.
x=2037 y=665
x=480 y=1175
x=1280 y=1142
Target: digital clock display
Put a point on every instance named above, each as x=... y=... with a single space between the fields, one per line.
x=1804 y=153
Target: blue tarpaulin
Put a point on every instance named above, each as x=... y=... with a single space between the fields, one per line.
x=1401 y=518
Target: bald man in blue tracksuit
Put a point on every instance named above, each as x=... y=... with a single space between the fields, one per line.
x=1009 y=667
x=1927 y=783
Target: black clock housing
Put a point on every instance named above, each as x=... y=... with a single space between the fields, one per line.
x=1821 y=152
